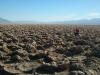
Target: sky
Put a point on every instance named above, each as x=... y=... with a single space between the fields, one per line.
x=49 y=10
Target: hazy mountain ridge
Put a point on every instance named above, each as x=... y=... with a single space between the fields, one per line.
x=82 y=21
x=4 y=21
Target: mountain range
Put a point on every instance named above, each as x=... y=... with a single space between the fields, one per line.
x=4 y=21
x=95 y=21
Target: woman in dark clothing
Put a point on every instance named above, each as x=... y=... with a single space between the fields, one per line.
x=76 y=32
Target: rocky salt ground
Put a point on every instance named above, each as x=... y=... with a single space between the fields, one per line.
x=49 y=50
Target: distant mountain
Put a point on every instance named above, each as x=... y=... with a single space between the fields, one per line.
x=4 y=20
x=28 y=22
x=95 y=21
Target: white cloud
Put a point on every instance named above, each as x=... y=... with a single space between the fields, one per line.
x=56 y=18
x=61 y=17
x=67 y=17
x=88 y=16
x=94 y=14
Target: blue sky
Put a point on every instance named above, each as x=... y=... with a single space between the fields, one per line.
x=49 y=10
